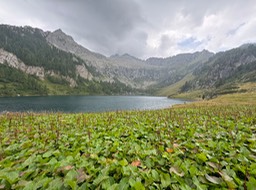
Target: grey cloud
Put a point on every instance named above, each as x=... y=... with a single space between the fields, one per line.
x=234 y=30
x=139 y=27
x=135 y=44
x=101 y=23
x=166 y=42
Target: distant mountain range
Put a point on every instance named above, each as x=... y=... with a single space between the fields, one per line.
x=35 y=62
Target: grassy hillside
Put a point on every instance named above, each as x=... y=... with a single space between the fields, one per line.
x=238 y=93
x=14 y=82
x=174 y=89
x=30 y=46
x=207 y=145
x=223 y=73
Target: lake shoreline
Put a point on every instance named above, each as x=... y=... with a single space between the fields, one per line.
x=82 y=104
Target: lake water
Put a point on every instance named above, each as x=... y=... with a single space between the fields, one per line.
x=74 y=104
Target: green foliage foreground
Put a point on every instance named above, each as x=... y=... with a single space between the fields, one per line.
x=210 y=147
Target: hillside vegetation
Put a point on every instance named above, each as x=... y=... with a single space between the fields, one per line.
x=223 y=73
x=57 y=65
x=13 y=82
x=54 y=71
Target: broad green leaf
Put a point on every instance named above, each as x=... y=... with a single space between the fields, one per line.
x=213 y=179
x=132 y=182
x=29 y=161
x=71 y=175
x=47 y=154
x=43 y=183
x=53 y=161
x=81 y=176
x=56 y=184
x=71 y=184
x=184 y=187
x=149 y=163
x=56 y=153
x=12 y=177
x=99 y=179
x=84 y=186
x=155 y=175
x=29 y=186
x=251 y=184
x=114 y=187
x=202 y=157
x=177 y=171
x=229 y=181
x=124 y=184
x=138 y=186
x=165 y=180
x=253 y=168
x=123 y=162
x=213 y=165
x=193 y=170
x=26 y=174
x=198 y=184
x=107 y=183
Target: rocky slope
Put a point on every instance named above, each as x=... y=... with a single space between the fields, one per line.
x=26 y=49
x=128 y=69
x=223 y=72
x=175 y=68
x=12 y=61
x=125 y=68
x=66 y=43
x=62 y=66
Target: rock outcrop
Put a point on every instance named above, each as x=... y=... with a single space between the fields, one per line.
x=12 y=61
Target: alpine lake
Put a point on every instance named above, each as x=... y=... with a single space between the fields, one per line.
x=78 y=104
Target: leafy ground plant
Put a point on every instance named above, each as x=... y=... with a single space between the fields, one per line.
x=194 y=147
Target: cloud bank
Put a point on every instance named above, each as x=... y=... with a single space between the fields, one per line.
x=142 y=28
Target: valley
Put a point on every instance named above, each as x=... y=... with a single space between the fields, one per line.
x=127 y=95
x=56 y=65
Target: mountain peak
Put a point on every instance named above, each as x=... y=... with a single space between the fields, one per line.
x=61 y=34
x=124 y=56
x=59 y=31
x=60 y=39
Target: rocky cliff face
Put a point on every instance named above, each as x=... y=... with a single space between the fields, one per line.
x=127 y=69
x=12 y=61
x=66 y=43
x=83 y=72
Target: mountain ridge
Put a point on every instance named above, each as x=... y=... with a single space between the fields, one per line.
x=57 y=61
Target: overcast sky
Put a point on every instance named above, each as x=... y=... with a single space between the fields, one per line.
x=142 y=28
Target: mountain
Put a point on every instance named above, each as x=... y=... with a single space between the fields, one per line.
x=66 y=43
x=25 y=50
x=37 y=62
x=179 y=66
x=224 y=72
x=181 y=59
x=127 y=69
x=138 y=74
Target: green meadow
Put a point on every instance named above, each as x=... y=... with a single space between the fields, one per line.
x=194 y=146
